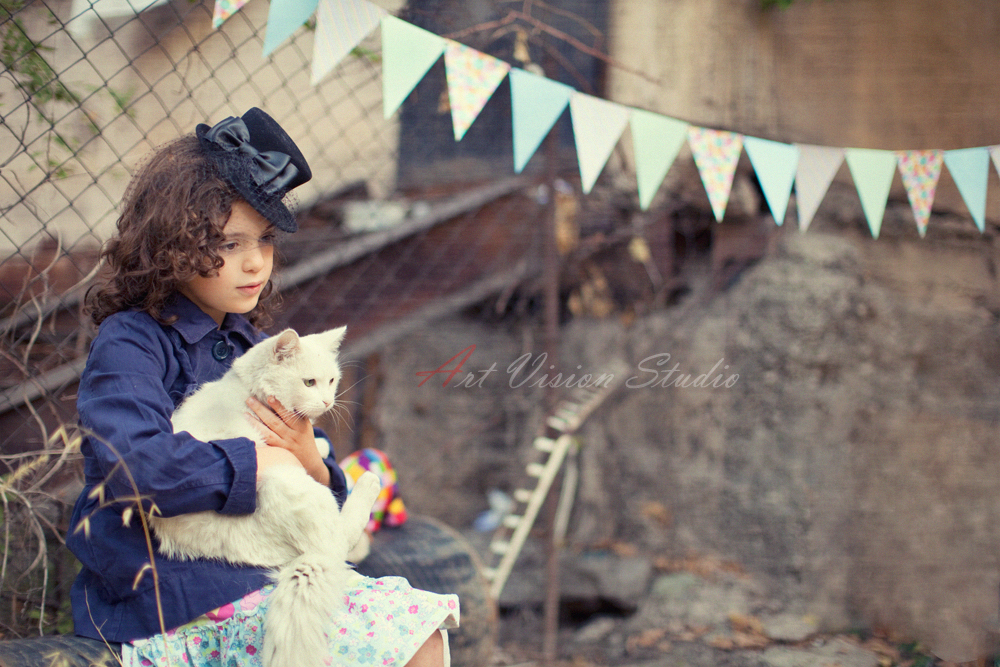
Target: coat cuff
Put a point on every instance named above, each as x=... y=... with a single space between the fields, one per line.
x=242 y=455
x=338 y=480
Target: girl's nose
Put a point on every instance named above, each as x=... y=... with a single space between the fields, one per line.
x=254 y=259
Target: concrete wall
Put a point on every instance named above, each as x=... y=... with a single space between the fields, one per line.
x=887 y=74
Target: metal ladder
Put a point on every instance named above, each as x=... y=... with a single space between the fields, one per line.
x=553 y=447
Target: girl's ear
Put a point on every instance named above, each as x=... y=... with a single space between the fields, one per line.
x=286 y=344
x=333 y=338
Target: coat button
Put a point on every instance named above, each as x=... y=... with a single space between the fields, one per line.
x=220 y=350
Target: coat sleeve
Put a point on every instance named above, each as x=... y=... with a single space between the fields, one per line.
x=338 y=480
x=125 y=409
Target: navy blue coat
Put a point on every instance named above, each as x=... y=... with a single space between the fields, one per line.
x=138 y=371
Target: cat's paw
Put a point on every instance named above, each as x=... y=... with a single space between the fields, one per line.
x=361 y=549
x=368 y=486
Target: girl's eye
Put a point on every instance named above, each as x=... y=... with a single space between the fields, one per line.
x=309 y=383
x=232 y=246
x=269 y=239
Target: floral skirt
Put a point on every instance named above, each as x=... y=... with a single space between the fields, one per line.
x=382 y=622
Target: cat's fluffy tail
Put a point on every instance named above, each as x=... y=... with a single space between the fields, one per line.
x=312 y=585
x=308 y=589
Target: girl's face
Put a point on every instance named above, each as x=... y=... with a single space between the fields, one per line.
x=248 y=253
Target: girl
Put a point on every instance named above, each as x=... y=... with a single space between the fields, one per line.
x=189 y=281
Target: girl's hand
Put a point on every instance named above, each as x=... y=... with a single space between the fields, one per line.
x=291 y=432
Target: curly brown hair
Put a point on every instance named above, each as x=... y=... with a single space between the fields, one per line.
x=169 y=231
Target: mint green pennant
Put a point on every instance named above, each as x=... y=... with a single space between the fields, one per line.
x=536 y=104
x=872 y=171
x=407 y=53
x=656 y=140
x=970 y=168
x=284 y=17
x=775 y=164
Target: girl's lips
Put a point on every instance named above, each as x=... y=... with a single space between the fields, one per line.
x=250 y=289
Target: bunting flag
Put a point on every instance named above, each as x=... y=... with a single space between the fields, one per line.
x=407 y=53
x=224 y=9
x=472 y=79
x=656 y=140
x=597 y=126
x=995 y=154
x=340 y=26
x=815 y=171
x=716 y=153
x=872 y=171
x=775 y=164
x=284 y=17
x=920 y=171
x=536 y=104
x=970 y=168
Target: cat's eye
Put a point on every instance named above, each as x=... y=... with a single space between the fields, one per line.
x=309 y=383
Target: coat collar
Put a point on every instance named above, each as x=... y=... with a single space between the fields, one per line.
x=193 y=324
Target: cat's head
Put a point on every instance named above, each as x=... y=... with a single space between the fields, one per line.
x=300 y=371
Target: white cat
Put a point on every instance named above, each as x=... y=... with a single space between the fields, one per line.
x=297 y=527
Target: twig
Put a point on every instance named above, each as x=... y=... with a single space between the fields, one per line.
x=86 y=599
x=515 y=15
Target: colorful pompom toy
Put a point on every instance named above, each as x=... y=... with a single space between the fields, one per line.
x=388 y=508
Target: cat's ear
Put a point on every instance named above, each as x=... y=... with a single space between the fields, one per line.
x=286 y=344
x=333 y=338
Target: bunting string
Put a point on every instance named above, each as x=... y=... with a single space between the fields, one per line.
x=408 y=53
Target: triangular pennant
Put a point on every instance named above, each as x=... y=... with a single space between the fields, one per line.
x=340 y=26
x=284 y=17
x=995 y=154
x=920 y=171
x=656 y=140
x=407 y=53
x=472 y=79
x=872 y=171
x=536 y=103
x=224 y=9
x=774 y=163
x=970 y=168
x=815 y=171
x=597 y=126
x=716 y=153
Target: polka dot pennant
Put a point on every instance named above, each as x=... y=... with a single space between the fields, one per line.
x=716 y=153
x=920 y=170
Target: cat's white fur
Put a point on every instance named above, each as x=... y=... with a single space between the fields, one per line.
x=297 y=528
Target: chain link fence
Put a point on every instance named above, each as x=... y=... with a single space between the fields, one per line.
x=393 y=232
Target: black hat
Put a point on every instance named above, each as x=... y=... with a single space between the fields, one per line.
x=259 y=160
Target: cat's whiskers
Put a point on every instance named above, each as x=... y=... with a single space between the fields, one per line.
x=340 y=415
x=344 y=390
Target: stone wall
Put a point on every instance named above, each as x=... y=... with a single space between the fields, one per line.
x=852 y=465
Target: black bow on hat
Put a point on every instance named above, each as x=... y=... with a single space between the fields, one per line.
x=260 y=160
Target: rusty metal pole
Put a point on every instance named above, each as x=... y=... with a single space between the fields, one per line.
x=551 y=273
